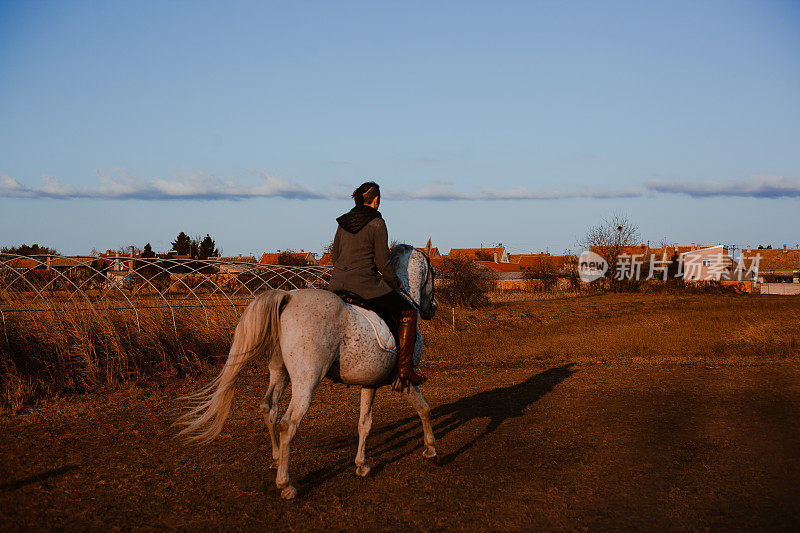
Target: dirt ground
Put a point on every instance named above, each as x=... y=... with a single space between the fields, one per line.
x=550 y=440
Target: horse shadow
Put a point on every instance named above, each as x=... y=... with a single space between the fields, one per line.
x=497 y=405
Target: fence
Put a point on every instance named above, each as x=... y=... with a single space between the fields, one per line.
x=30 y=284
x=780 y=288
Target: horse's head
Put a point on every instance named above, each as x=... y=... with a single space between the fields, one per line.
x=415 y=271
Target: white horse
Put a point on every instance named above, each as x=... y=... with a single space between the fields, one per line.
x=309 y=334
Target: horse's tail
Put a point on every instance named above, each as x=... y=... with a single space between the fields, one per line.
x=257 y=333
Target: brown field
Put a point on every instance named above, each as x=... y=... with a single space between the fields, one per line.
x=645 y=411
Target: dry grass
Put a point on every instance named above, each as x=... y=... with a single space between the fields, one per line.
x=651 y=328
x=66 y=349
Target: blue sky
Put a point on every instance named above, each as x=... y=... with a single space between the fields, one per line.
x=523 y=123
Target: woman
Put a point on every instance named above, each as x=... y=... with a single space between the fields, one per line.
x=361 y=266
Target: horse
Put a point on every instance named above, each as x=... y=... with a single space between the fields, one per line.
x=310 y=334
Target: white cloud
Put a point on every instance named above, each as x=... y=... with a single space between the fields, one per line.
x=443 y=192
x=122 y=185
x=10 y=187
x=759 y=186
x=195 y=185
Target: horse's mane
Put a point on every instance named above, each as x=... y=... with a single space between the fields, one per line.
x=397 y=253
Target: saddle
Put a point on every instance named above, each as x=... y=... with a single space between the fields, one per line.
x=354 y=299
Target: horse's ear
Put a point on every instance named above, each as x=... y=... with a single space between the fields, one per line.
x=428 y=247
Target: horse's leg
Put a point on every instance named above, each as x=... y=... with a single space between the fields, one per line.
x=414 y=397
x=301 y=401
x=278 y=379
x=364 y=425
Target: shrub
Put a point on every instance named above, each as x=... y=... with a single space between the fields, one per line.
x=542 y=271
x=464 y=283
x=292 y=258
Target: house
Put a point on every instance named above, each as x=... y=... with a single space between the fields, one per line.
x=77 y=268
x=562 y=263
x=667 y=253
x=645 y=252
x=439 y=264
x=235 y=264
x=543 y=262
x=502 y=270
x=434 y=254
x=510 y=276
x=299 y=258
x=121 y=262
x=530 y=261
x=781 y=262
x=234 y=258
x=24 y=264
x=525 y=258
x=707 y=264
x=495 y=255
x=326 y=260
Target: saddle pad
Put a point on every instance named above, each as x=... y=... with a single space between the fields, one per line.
x=383 y=334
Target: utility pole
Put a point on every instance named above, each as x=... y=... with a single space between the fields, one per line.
x=796 y=276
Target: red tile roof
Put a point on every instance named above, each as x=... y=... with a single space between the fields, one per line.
x=527 y=261
x=23 y=263
x=271 y=258
x=71 y=262
x=779 y=259
x=439 y=263
x=235 y=259
x=561 y=262
x=670 y=251
x=639 y=249
x=500 y=267
x=516 y=258
x=541 y=261
x=477 y=254
x=326 y=260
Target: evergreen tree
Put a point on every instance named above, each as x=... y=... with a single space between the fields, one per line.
x=207 y=248
x=24 y=249
x=148 y=251
x=182 y=244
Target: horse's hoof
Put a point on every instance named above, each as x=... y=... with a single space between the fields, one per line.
x=431 y=456
x=362 y=471
x=288 y=493
x=274 y=465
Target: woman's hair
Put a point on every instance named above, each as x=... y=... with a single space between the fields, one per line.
x=366 y=192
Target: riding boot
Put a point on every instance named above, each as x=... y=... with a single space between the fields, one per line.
x=407 y=339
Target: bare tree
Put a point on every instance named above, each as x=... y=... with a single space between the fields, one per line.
x=610 y=238
x=463 y=282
